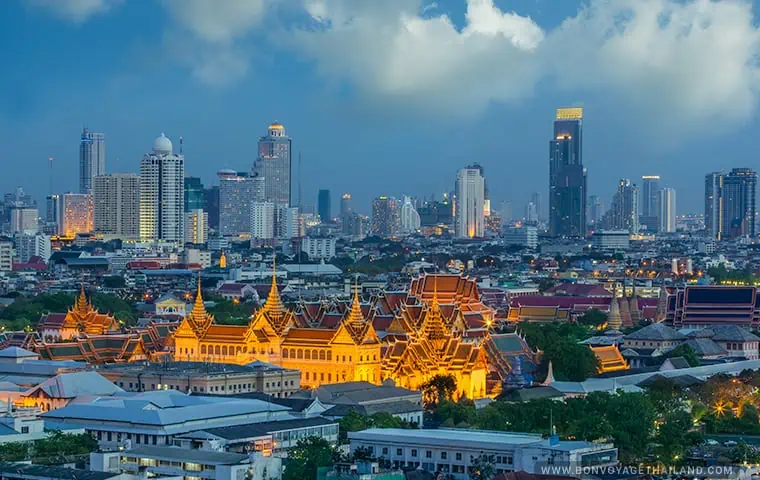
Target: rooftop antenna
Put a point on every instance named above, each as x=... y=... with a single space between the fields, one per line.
x=50 y=163
x=299 y=179
x=181 y=142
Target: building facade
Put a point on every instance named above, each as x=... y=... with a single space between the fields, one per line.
x=470 y=201
x=567 y=176
x=650 y=187
x=24 y=220
x=323 y=206
x=624 y=212
x=714 y=205
x=237 y=194
x=92 y=159
x=162 y=193
x=739 y=203
x=274 y=165
x=194 y=194
x=262 y=225
x=666 y=210
x=116 y=205
x=6 y=254
x=28 y=246
x=386 y=216
x=410 y=219
x=77 y=214
x=196 y=227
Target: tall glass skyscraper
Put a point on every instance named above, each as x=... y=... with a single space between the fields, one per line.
x=194 y=197
x=274 y=165
x=713 y=205
x=92 y=159
x=567 y=177
x=650 y=185
x=323 y=206
x=739 y=203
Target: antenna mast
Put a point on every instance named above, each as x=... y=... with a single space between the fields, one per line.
x=50 y=163
x=299 y=180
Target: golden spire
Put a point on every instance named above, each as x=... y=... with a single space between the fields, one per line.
x=223 y=260
x=199 y=309
x=355 y=316
x=82 y=306
x=434 y=303
x=274 y=302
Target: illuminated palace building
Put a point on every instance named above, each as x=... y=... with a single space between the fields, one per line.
x=437 y=327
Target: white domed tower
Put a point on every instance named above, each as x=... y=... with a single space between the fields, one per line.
x=162 y=193
x=162 y=145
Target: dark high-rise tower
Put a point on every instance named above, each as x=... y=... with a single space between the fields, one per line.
x=650 y=185
x=92 y=159
x=567 y=177
x=738 y=199
x=323 y=206
x=713 y=205
x=193 y=194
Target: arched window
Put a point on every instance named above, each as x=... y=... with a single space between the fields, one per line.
x=239 y=350
x=217 y=350
x=284 y=353
x=307 y=355
x=344 y=359
x=361 y=358
x=300 y=354
x=203 y=349
x=374 y=357
x=224 y=350
x=321 y=354
x=314 y=354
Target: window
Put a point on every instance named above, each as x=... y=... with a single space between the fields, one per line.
x=443 y=455
x=458 y=456
x=385 y=450
x=24 y=429
x=399 y=452
x=414 y=452
x=428 y=454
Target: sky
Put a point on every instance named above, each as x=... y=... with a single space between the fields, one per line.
x=384 y=97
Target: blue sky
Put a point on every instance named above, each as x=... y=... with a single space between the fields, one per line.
x=384 y=97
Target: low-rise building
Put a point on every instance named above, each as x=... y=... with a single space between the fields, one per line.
x=453 y=451
x=204 y=377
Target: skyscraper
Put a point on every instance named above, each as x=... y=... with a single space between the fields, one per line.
x=92 y=158
x=116 y=199
x=274 y=165
x=595 y=210
x=262 y=220
x=624 y=213
x=386 y=216
x=237 y=192
x=714 y=205
x=194 y=198
x=211 y=205
x=410 y=219
x=323 y=206
x=196 y=227
x=567 y=177
x=739 y=203
x=77 y=213
x=162 y=193
x=666 y=210
x=24 y=220
x=650 y=186
x=470 y=195
x=52 y=214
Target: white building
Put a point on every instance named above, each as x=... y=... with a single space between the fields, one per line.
x=526 y=236
x=236 y=194
x=196 y=227
x=197 y=256
x=262 y=220
x=28 y=246
x=323 y=247
x=286 y=221
x=410 y=219
x=454 y=450
x=92 y=159
x=666 y=210
x=25 y=220
x=6 y=254
x=470 y=199
x=162 y=193
x=611 y=240
x=116 y=199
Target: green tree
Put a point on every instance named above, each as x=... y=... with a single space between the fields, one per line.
x=114 y=281
x=673 y=436
x=14 y=452
x=481 y=468
x=352 y=422
x=593 y=318
x=686 y=352
x=307 y=457
x=438 y=389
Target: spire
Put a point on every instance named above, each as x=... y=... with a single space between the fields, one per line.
x=199 y=308
x=549 y=375
x=274 y=302
x=355 y=316
x=223 y=260
x=434 y=303
x=614 y=319
x=82 y=306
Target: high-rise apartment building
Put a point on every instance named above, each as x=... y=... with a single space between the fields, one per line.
x=24 y=220
x=92 y=159
x=194 y=194
x=262 y=220
x=739 y=203
x=624 y=212
x=52 y=214
x=323 y=206
x=28 y=246
x=386 y=216
x=237 y=192
x=410 y=219
x=274 y=165
x=211 y=206
x=6 y=254
x=595 y=210
x=567 y=176
x=196 y=227
x=714 y=205
x=162 y=193
x=346 y=213
x=731 y=203
x=666 y=210
x=470 y=192
x=77 y=214
x=116 y=199
x=650 y=187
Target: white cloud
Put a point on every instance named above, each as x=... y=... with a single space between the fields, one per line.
x=76 y=10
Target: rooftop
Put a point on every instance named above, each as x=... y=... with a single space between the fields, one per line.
x=44 y=471
x=188 y=369
x=206 y=457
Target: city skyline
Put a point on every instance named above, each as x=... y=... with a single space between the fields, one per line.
x=390 y=125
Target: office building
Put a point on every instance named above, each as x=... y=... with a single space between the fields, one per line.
x=624 y=212
x=531 y=213
x=116 y=199
x=286 y=222
x=162 y=193
x=739 y=203
x=346 y=213
x=323 y=206
x=386 y=217
x=536 y=200
x=196 y=227
x=28 y=246
x=237 y=192
x=24 y=220
x=410 y=219
x=211 y=206
x=322 y=248
x=52 y=210
x=524 y=236
x=262 y=220
x=6 y=254
x=666 y=210
x=714 y=205
x=595 y=210
x=274 y=165
x=455 y=450
x=611 y=240
x=567 y=176
x=77 y=214
x=650 y=186
x=92 y=159
x=470 y=196
x=194 y=194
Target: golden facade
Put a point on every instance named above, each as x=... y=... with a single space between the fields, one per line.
x=82 y=318
x=331 y=342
